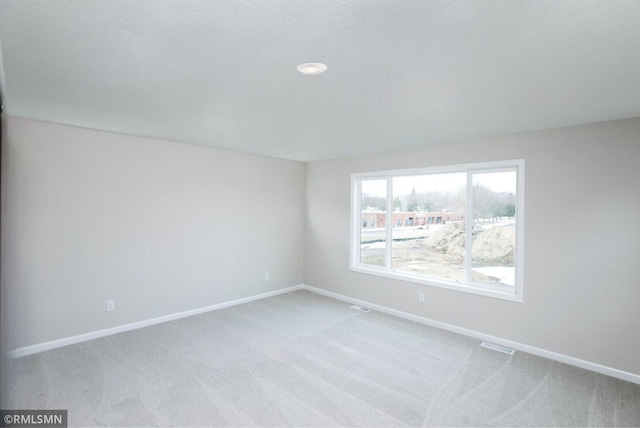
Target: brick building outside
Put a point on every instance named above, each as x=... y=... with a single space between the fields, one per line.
x=372 y=219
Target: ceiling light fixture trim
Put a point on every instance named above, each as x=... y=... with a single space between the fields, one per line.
x=312 y=68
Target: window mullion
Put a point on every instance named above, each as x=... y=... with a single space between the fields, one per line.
x=357 y=237
x=469 y=228
x=389 y=223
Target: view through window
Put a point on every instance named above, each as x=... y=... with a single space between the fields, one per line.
x=459 y=227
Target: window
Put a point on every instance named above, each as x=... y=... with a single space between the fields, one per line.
x=458 y=227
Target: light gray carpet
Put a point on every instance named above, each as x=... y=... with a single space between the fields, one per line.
x=301 y=359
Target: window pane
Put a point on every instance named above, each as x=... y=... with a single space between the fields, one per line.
x=428 y=225
x=494 y=234
x=373 y=222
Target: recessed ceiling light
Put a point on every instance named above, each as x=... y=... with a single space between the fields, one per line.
x=312 y=68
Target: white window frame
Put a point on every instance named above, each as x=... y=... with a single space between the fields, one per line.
x=514 y=293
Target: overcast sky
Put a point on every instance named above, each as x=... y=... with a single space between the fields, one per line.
x=496 y=181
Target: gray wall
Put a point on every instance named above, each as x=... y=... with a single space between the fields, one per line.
x=582 y=241
x=162 y=228
x=157 y=226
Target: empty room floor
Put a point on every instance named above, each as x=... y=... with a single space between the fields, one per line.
x=301 y=359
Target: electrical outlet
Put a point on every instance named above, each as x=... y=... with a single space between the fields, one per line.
x=266 y=277
x=111 y=305
x=421 y=297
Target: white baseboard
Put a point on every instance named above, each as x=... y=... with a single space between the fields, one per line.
x=46 y=346
x=609 y=371
x=40 y=347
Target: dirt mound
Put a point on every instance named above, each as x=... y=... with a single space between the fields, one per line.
x=450 y=239
x=494 y=245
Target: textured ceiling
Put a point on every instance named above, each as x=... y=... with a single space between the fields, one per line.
x=401 y=73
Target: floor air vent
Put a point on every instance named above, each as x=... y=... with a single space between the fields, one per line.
x=497 y=348
x=360 y=308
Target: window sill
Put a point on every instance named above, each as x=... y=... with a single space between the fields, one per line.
x=510 y=293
